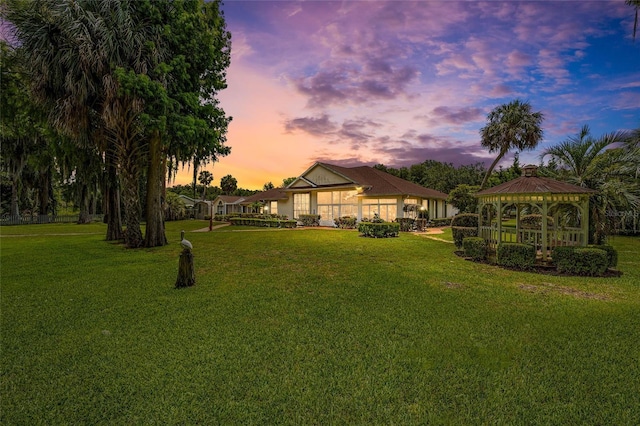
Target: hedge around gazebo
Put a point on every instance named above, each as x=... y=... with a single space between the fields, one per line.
x=533 y=193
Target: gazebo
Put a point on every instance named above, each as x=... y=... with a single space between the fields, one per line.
x=563 y=210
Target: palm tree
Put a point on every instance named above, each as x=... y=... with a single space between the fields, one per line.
x=74 y=51
x=635 y=4
x=205 y=178
x=602 y=165
x=510 y=126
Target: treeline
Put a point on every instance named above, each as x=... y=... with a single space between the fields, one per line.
x=445 y=177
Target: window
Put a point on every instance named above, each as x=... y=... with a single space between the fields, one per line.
x=273 y=207
x=335 y=204
x=387 y=208
x=301 y=204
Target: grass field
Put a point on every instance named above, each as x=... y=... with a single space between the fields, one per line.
x=307 y=327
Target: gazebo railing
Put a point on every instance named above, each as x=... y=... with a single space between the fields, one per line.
x=555 y=237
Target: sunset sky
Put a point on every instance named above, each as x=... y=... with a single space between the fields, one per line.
x=399 y=82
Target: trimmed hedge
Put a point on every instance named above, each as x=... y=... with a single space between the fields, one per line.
x=443 y=221
x=465 y=220
x=612 y=254
x=475 y=248
x=346 y=222
x=463 y=226
x=263 y=223
x=309 y=219
x=460 y=233
x=227 y=217
x=590 y=261
x=379 y=230
x=516 y=255
x=406 y=223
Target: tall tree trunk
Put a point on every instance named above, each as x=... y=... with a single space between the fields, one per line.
x=84 y=205
x=44 y=196
x=129 y=175
x=15 y=206
x=490 y=169
x=112 y=201
x=154 y=233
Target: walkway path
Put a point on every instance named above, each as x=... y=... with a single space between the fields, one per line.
x=215 y=227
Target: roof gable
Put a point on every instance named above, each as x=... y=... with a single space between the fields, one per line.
x=319 y=175
x=373 y=182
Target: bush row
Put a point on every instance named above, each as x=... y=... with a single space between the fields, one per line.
x=228 y=217
x=263 y=223
x=443 y=221
x=379 y=230
x=592 y=260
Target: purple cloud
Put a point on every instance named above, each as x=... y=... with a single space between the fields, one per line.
x=316 y=126
x=457 y=116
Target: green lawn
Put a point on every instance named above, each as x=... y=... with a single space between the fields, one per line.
x=307 y=327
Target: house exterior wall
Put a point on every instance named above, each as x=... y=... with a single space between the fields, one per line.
x=389 y=207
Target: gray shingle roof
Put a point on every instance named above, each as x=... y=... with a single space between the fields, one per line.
x=379 y=183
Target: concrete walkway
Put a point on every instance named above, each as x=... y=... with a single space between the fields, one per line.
x=215 y=227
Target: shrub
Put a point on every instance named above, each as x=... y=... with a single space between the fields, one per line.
x=612 y=254
x=581 y=260
x=310 y=219
x=379 y=230
x=561 y=255
x=516 y=255
x=406 y=223
x=345 y=222
x=421 y=224
x=465 y=220
x=443 y=221
x=460 y=233
x=463 y=226
x=475 y=248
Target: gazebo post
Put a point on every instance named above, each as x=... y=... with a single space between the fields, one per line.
x=545 y=237
x=584 y=221
x=518 y=238
x=499 y=219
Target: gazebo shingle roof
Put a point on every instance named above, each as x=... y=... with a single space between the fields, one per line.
x=532 y=184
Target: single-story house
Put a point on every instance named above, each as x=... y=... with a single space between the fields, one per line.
x=228 y=204
x=188 y=201
x=268 y=200
x=202 y=209
x=335 y=191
